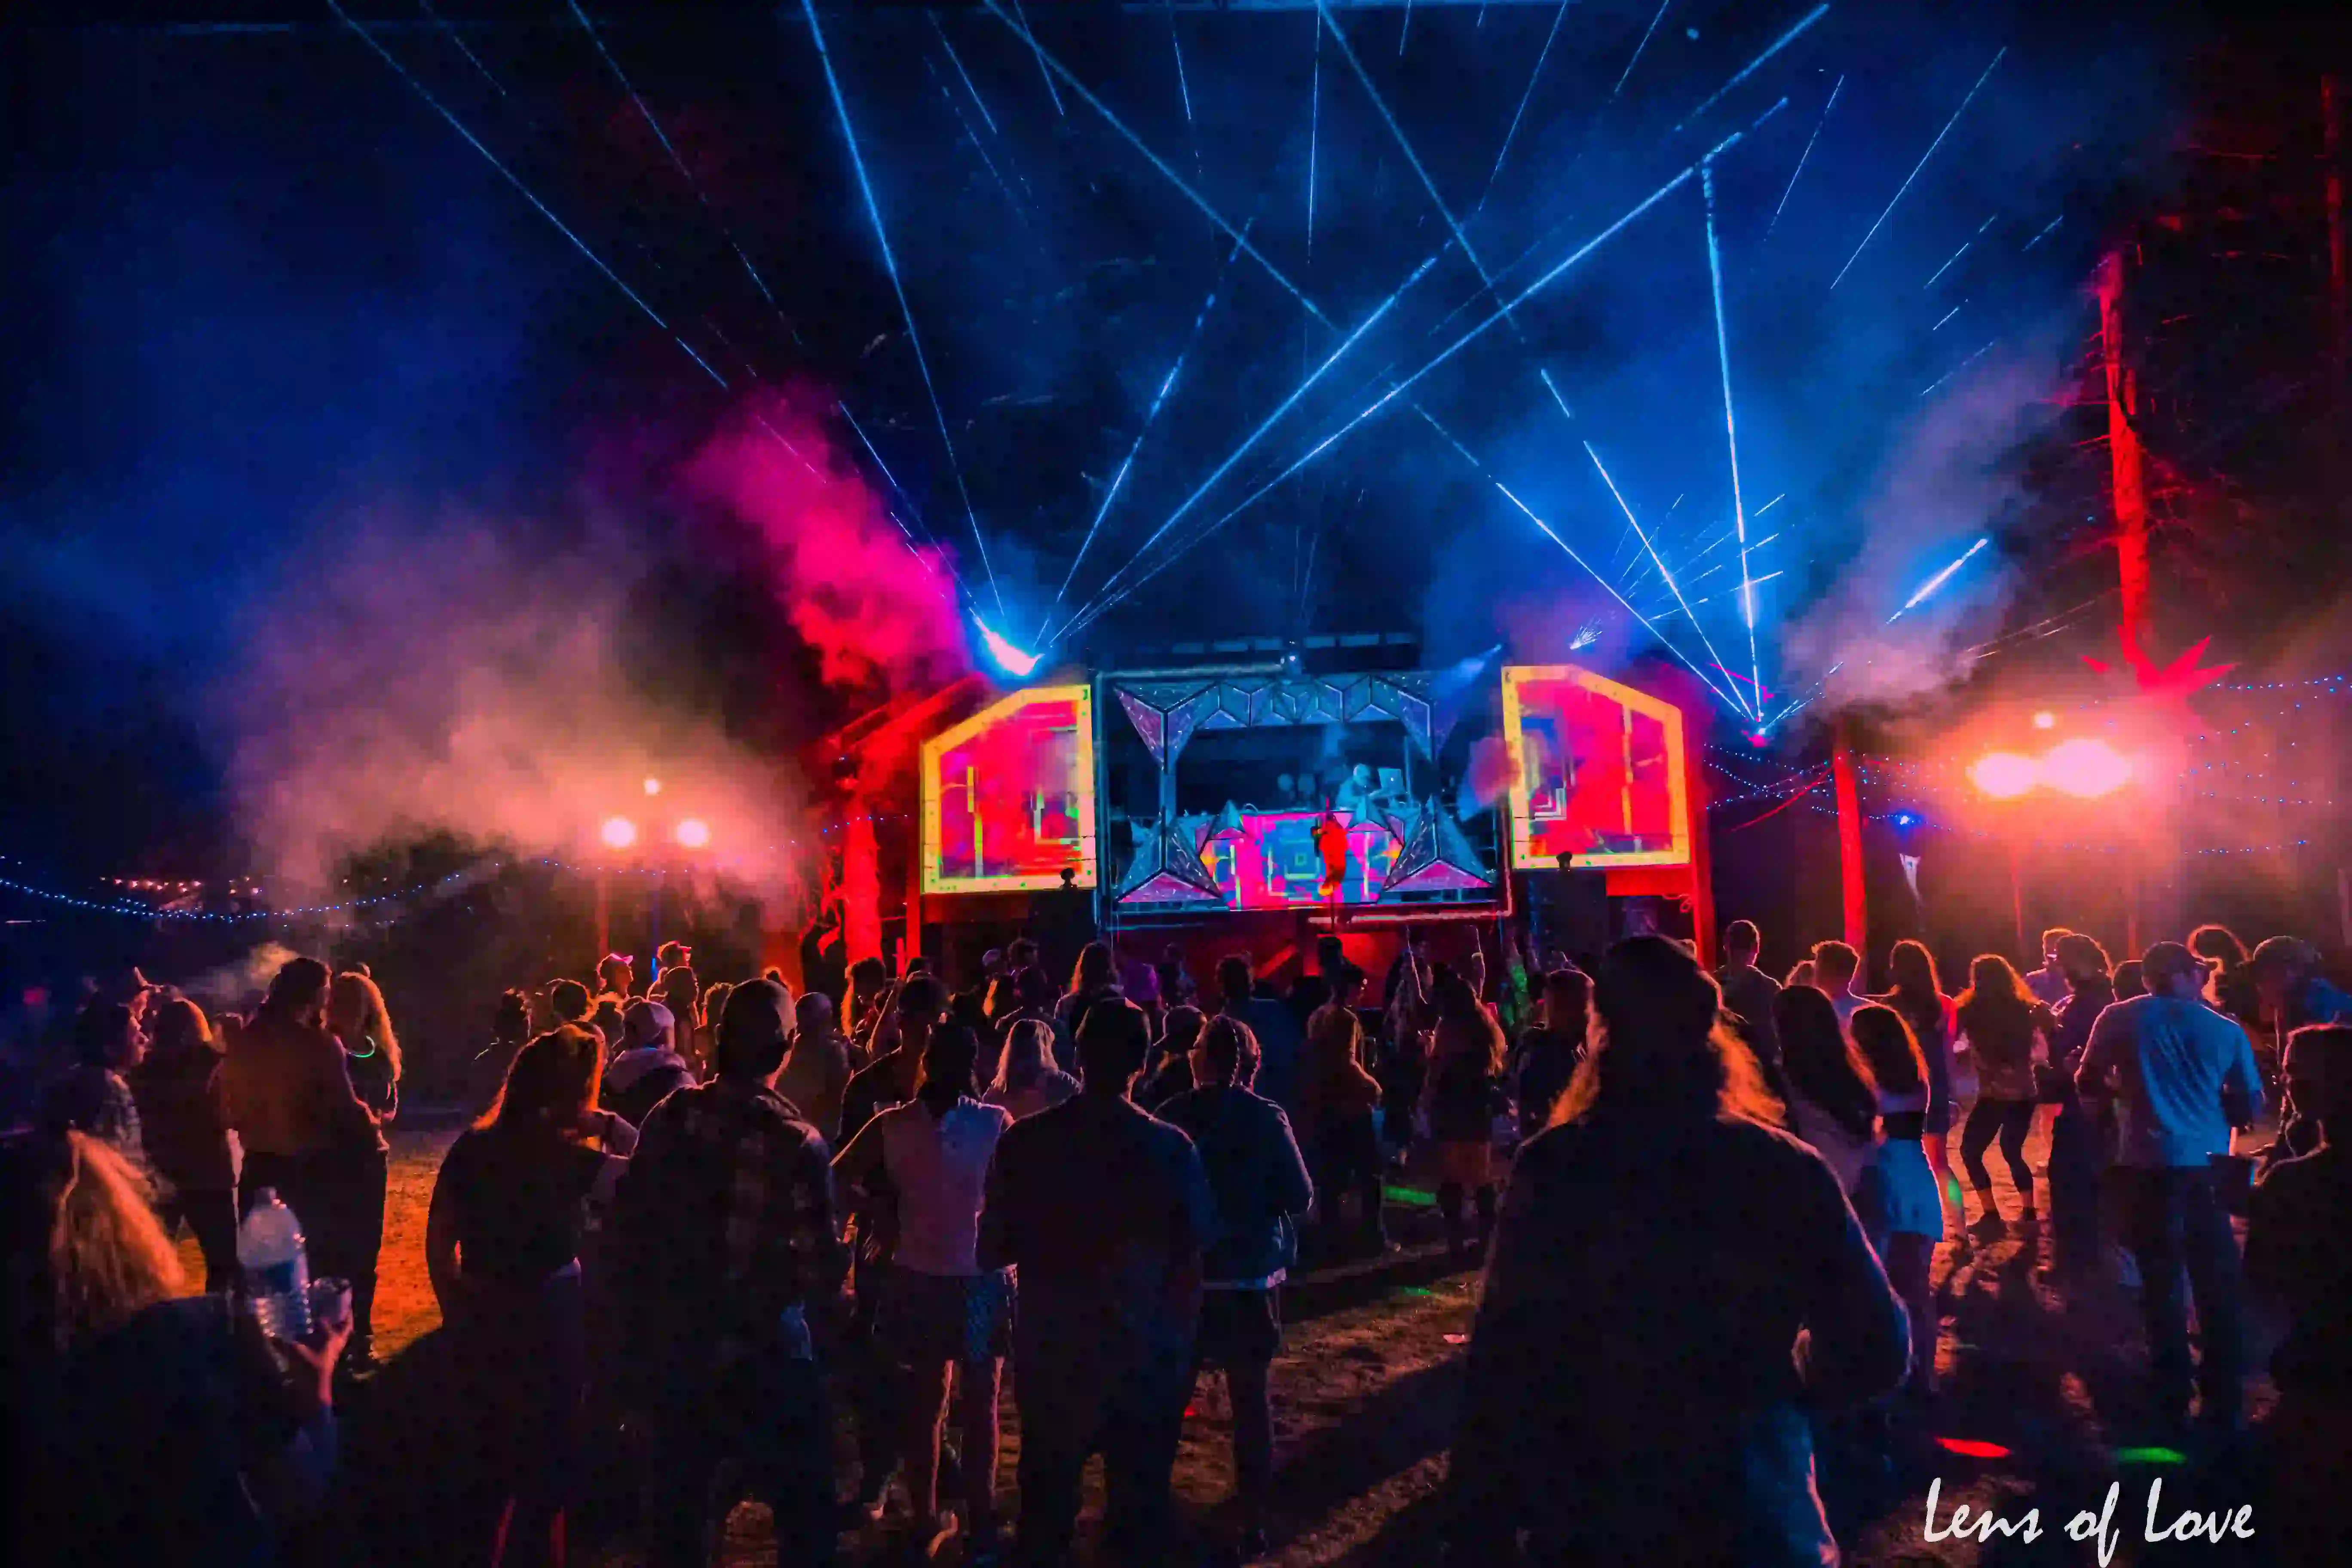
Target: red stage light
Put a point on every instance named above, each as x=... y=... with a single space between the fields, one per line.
x=2003 y=775
x=619 y=833
x=1971 y=1449
x=2087 y=769
x=693 y=833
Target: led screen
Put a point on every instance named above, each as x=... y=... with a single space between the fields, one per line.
x=1273 y=860
x=1008 y=795
x=1597 y=771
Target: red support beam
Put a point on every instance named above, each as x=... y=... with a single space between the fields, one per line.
x=2123 y=452
x=1849 y=826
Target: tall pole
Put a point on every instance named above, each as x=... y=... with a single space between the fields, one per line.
x=603 y=915
x=1849 y=826
x=2125 y=455
x=2339 y=320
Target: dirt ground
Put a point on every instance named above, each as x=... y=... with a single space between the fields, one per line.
x=2041 y=1395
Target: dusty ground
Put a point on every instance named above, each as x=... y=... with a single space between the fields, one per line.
x=1364 y=1398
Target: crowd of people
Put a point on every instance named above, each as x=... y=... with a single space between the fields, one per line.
x=686 y=1222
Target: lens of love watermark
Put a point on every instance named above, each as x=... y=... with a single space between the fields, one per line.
x=2094 y=1525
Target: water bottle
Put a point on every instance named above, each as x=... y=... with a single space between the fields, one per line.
x=277 y=1273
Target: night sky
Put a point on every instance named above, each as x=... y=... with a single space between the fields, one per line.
x=269 y=302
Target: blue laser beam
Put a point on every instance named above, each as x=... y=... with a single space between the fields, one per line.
x=1769 y=505
x=897 y=286
x=1706 y=641
x=1922 y=163
x=1946 y=317
x=1731 y=422
x=1152 y=413
x=957 y=60
x=972 y=136
x=1038 y=49
x=1182 y=87
x=1268 y=423
x=1927 y=589
x=1958 y=368
x=1955 y=256
x=1512 y=134
x=511 y=178
x=2038 y=238
x=1665 y=610
x=1314 y=127
x=1804 y=25
x=1645 y=44
x=1802 y=157
x=1403 y=32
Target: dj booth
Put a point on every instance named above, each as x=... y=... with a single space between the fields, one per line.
x=1249 y=805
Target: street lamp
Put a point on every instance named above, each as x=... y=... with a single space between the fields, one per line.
x=693 y=833
x=618 y=832
x=2003 y=775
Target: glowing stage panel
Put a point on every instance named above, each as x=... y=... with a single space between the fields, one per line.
x=1273 y=860
x=1597 y=771
x=1008 y=795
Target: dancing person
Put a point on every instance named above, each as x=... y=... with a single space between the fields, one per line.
x=509 y=1032
x=1832 y=1102
x=2290 y=993
x=568 y=1002
x=1261 y=1186
x=616 y=978
x=1912 y=1218
x=941 y=1315
x=183 y=1128
x=648 y=1069
x=1406 y=1023
x=2128 y=982
x=1271 y=1024
x=148 y=1425
x=679 y=991
x=2001 y=1023
x=1748 y=992
x=1837 y=973
x=362 y=1026
x=1463 y=1096
x=2299 y=1264
x=723 y=1237
x=93 y=1096
x=1110 y=1275
x=502 y=1239
x=1091 y=980
x=1802 y=972
x=1170 y=1072
x=1918 y=994
x=2048 y=985
x=2077 y=1153
x=817 y=1070
x=2229 y=981
x=1027 y=1081
x=1549 y=1052
x=1312 y=991
x=2182 y=1076
x=1664 y=1419
x=1337 y=1098
x=309 y=1136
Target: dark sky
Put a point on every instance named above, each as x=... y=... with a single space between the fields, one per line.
x=261 y=289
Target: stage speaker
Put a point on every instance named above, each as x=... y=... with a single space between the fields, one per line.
x=1579 y=915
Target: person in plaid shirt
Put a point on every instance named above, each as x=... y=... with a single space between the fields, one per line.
x=725 y=1236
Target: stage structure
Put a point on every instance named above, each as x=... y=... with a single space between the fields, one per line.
x=1219 y=797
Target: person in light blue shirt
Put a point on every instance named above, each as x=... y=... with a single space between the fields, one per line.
x=2181 y=1075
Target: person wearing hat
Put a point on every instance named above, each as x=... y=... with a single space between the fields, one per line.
x=647 y=1068
x=2181 y=1075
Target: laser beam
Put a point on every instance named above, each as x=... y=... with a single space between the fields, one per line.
x=1282 y=408
x=1656 y=558
x=2038 y=238
x=1955 y=256
x=1037 y=49
x=1836 y=88
x=1731 y=422
x=1145 y=429
x=1645 y=44
x=897 y=286
x=1512 y=134
x=1182 y=87
x=972 y=136
x=1928 y=588
x=1783 y=42
x=956 y=60
x=1314 y=127
x=1922 y=163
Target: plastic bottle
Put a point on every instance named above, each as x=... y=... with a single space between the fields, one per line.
x=277 y=1271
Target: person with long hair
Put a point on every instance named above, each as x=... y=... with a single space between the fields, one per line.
x=309 y=1136
x=1914 y=1218
x=502 y=1243
x=1833 y=1102
x=2230 y=980
x=93 y=1095
x=1918 y=994
x=1091 y=979
x=183 y=1127
x=1549 y=1051
x=1337 y=1098
x=941 y=1316
x=1664 y=1418
x=2077 y=1148
x=148 y=1426
x=1027 y=1081
x=1463 y=1096
x=1170 y=1072
x=2001 y=1021
x=360 y=1024
x=1261 y=1185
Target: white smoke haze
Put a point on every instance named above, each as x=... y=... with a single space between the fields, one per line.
x=1953 y=478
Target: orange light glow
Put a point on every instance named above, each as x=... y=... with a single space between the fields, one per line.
x=2003 y=775
x=619 y=833
x=2086 y=769
x=693 y=833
